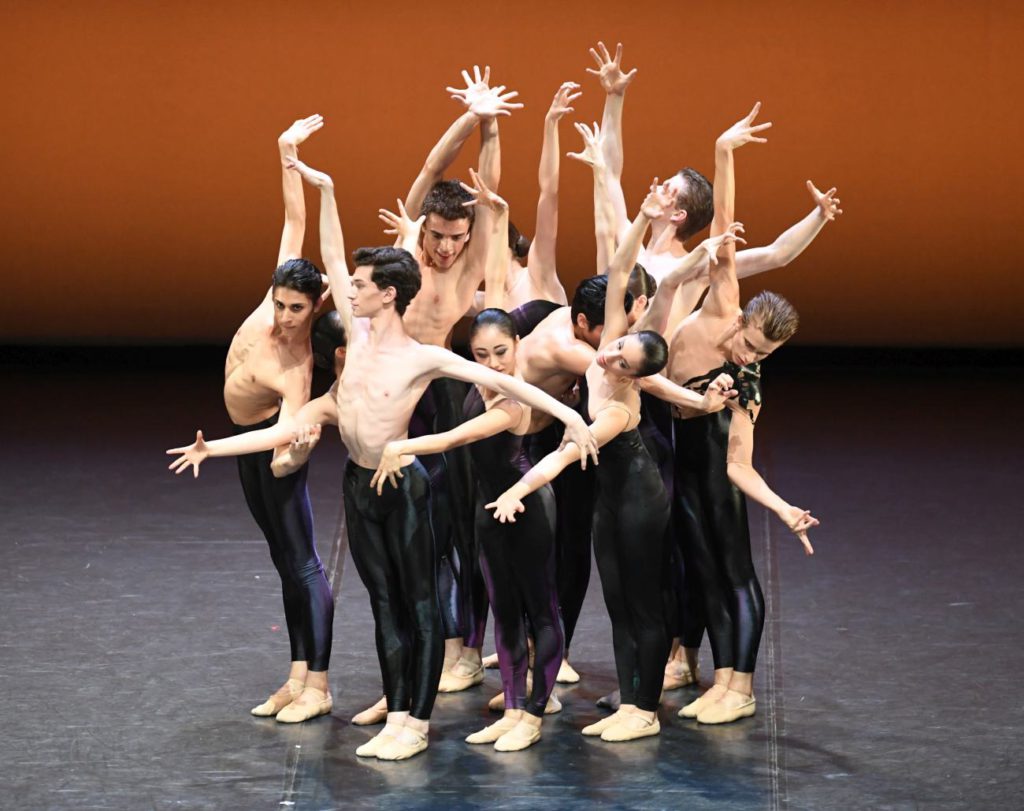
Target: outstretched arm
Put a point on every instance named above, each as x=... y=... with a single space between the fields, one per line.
x=405 y=229
x=742 y=474
x=791 y=242
x=294 y=201
x=605 y=227
x=614 y=82
x=724 y=296
x=491 y=223
x=712 y=400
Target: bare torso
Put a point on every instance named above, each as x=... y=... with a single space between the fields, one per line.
x=659 y=263
x=698 y=346
x=539 y=356
x=443 y=298
x=606 y=390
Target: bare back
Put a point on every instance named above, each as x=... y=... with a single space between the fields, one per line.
x=542 y=355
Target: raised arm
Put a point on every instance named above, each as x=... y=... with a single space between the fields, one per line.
x=791 y=242
x=405 y=229
x=294 y=202
x=742 y=473
x=614 y=82
x=332 y=242
x=605 y=228
x=491 y=224
x=724 y=296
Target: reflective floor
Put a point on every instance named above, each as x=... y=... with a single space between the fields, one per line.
x=142 y=618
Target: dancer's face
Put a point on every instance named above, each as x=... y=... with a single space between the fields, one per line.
x=749 y=345
x=495 y=349
x=293 y=311
x=365 y=297
x=622 y=357
x=444 y=240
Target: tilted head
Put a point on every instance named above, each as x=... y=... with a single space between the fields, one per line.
x=329 y=342
x=447 y=227
x=383 y=278
x=297 y=285
x=493 y=339
x=518 y=244
x=695 y=203
x=642 y=287
x=638 y=354
x=765 y=324
x=587 y=309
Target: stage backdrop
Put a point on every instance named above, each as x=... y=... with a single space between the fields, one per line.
x=141 y=197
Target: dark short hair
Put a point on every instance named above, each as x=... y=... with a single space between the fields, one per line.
x=641 y=283
x=655 y=352
x=697 y=199
x=445 y=199
x=392 y=267
x=776 y=317
x=327 y=335
x=589 y=300
x=518 y=243
x=299 y=275
x=493 y=316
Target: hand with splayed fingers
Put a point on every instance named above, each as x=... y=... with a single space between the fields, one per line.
x=744 y=131
x=193 y=455
x=401 y=224
x=483 y=197
x=484 y=101
x=609 y=70
x=591 y=154
x=563 y=98
x=826 y=202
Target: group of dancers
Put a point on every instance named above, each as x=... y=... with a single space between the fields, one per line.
x=623 y=419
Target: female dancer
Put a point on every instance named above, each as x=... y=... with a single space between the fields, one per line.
x=632 y=508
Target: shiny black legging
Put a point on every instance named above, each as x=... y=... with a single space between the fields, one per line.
x=281 y=508
x=518 y=563
x=711 y=517
x=630 y=518
x=392 y=547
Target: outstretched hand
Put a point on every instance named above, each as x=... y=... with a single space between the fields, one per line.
x=563 y=98
x=658 y=202
x=193 y=455
x=827 y=202
x=318 y=180
x=609 y=70
x=744 y=131
x=577 y=431
x=484 y=101
x=799 y=521
x=591 y=154
x=401 y=224
x=506 y=507
x=301 y=130
x=390 y=467
x=483 y=197
x=712 y=245
x=718 y=392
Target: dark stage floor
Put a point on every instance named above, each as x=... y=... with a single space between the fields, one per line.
x=142 y=617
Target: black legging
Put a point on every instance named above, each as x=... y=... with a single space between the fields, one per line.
x=711 y=517
x=281 y=508
x=630 y=518
x=392 y=547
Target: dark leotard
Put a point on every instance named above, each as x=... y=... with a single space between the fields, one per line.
x=630 y=518
x=393 y=549
x=518 y=561
x=711 y=518
x=281 y=508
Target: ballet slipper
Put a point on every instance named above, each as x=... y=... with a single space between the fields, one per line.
x=678 y=675
x=462 y=676
x=319 y=703
x=553 y=705
x=600 y=726
x=497 y=704
x=522 y=736
x=372 y=746
x=731 y=707
x=377 y=714
x=610 y=701
x=404 y=745
x=490 y=662
x=490 y=734
x=693 y=709
x=630 y=727
x=271 y=707
x=567 y=674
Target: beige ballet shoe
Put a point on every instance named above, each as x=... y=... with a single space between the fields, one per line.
x=318 y=703
x=490 y=662
x=270 y=707
x=522 y=736
x=553 y=705
x=630 y=727
x=727 y=709
x=693 y=709
x=600 y=726
x=404 y=745
x=462 y=676
x=567 y=674
x=678 y=675
x=491 y=733
x=372 y=746
x=377 y=714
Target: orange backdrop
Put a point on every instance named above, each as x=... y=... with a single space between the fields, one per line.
x=141 y=185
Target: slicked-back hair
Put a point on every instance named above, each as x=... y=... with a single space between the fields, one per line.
x=299 y=275
x=589 y=300
x=641 y=283
x=493 y=317
x=655 y=352
x=445 y=199
x=518 y=243
x=697 y=199
x=392 y=267
x=773 y=315
x=327 y=335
